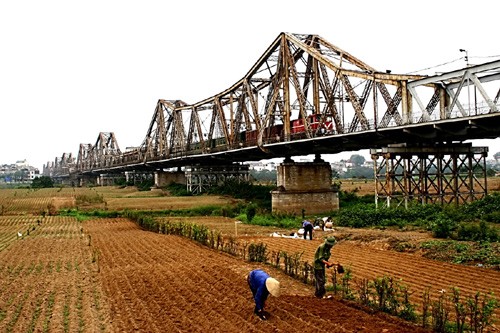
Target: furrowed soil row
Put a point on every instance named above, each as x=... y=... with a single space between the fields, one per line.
x=55 y=278
x=174 y=284
x=135 y=284
x=415 y=272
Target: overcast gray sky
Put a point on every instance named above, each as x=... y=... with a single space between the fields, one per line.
x=71 y=69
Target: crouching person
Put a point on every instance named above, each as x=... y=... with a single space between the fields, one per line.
x=261 y=285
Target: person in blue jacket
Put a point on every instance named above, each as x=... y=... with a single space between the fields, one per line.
x=308 y=228
x=261 y=285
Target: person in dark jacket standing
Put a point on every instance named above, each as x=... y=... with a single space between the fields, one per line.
x=308 y=228
x=321 y=260
x=261 y=285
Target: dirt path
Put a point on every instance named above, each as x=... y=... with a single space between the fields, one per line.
x=160 y=283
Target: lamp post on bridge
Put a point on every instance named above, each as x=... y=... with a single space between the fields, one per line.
x=466 y=58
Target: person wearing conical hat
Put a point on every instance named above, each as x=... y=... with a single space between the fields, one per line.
x=321 y=260
x=261 y=285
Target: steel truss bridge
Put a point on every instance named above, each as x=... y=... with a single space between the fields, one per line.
x=304 y=95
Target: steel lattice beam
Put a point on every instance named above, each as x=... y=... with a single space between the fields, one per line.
x=305 y=95
x=439 y=175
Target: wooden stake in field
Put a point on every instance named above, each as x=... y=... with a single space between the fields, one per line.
x=236 y=228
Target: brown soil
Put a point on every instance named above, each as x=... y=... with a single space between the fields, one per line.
x=108 y=275
x=160 y=283
x=369 y=260
x=48 y=282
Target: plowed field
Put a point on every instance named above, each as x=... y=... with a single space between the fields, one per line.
x=160 y=283
x=108 y=275
x=414 y=271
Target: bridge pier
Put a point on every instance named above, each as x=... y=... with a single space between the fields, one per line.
x=199 y=178
x=439 y=174
x=108 y=179
x=163 y=178
x=304 y=187
x=136 y=177
x=86 y=180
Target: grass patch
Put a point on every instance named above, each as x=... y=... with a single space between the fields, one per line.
x=470 y=253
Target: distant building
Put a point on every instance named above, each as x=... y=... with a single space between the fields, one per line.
x=259 y=166
x=33 y=173
x=20 y=171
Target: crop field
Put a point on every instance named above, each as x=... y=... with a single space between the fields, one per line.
x=48 y=282
x=36 y=202
x=367 y=186
x=58 y=274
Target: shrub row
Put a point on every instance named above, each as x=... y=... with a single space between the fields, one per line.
x=465 y=222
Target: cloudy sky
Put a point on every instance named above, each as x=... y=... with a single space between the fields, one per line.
x=72 y=69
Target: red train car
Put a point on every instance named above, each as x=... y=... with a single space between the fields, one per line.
x=271 y=134
x=314 y=120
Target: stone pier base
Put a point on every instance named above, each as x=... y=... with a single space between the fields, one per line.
x=163 y=178
x=304 y=188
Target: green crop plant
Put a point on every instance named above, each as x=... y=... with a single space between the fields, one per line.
x=79 y=309
x=276 y=255
x=257 y=252
x=3 y=314
x=231 y=246
x=17 y=312
x=481 y=311
x=30 y=268
x=365 y=291
x=48 y=311
x=77 y=266
x=39 y=267
x=292 y=263
x=69 y=266
x=426 y=306
x=66 y=313
x=36 y=314
x=460 y=310
x=440 y=313
x=346 y=284
x=407 y=310
x=307 y=272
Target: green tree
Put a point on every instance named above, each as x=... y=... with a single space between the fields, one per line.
x=357 y=160
x=497 y=156
x=42 y=182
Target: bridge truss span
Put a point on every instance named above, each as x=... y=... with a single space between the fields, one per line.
x=305 y=95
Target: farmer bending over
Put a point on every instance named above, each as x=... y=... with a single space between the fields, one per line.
x=308 y=228
x=261 y=285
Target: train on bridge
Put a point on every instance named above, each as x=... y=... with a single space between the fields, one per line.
x=304 y=96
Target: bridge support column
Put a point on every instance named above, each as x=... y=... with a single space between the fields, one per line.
x=108 y=179
x=304 y=188
x=85 y=180
x=163 y=178
x=439 y=174
x=199 y=178
x=136 y=177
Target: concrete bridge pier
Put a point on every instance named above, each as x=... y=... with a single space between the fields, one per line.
x=108 y=179
x=304 y=187
x=164 y=178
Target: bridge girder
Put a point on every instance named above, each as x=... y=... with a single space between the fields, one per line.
x=305 y=95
